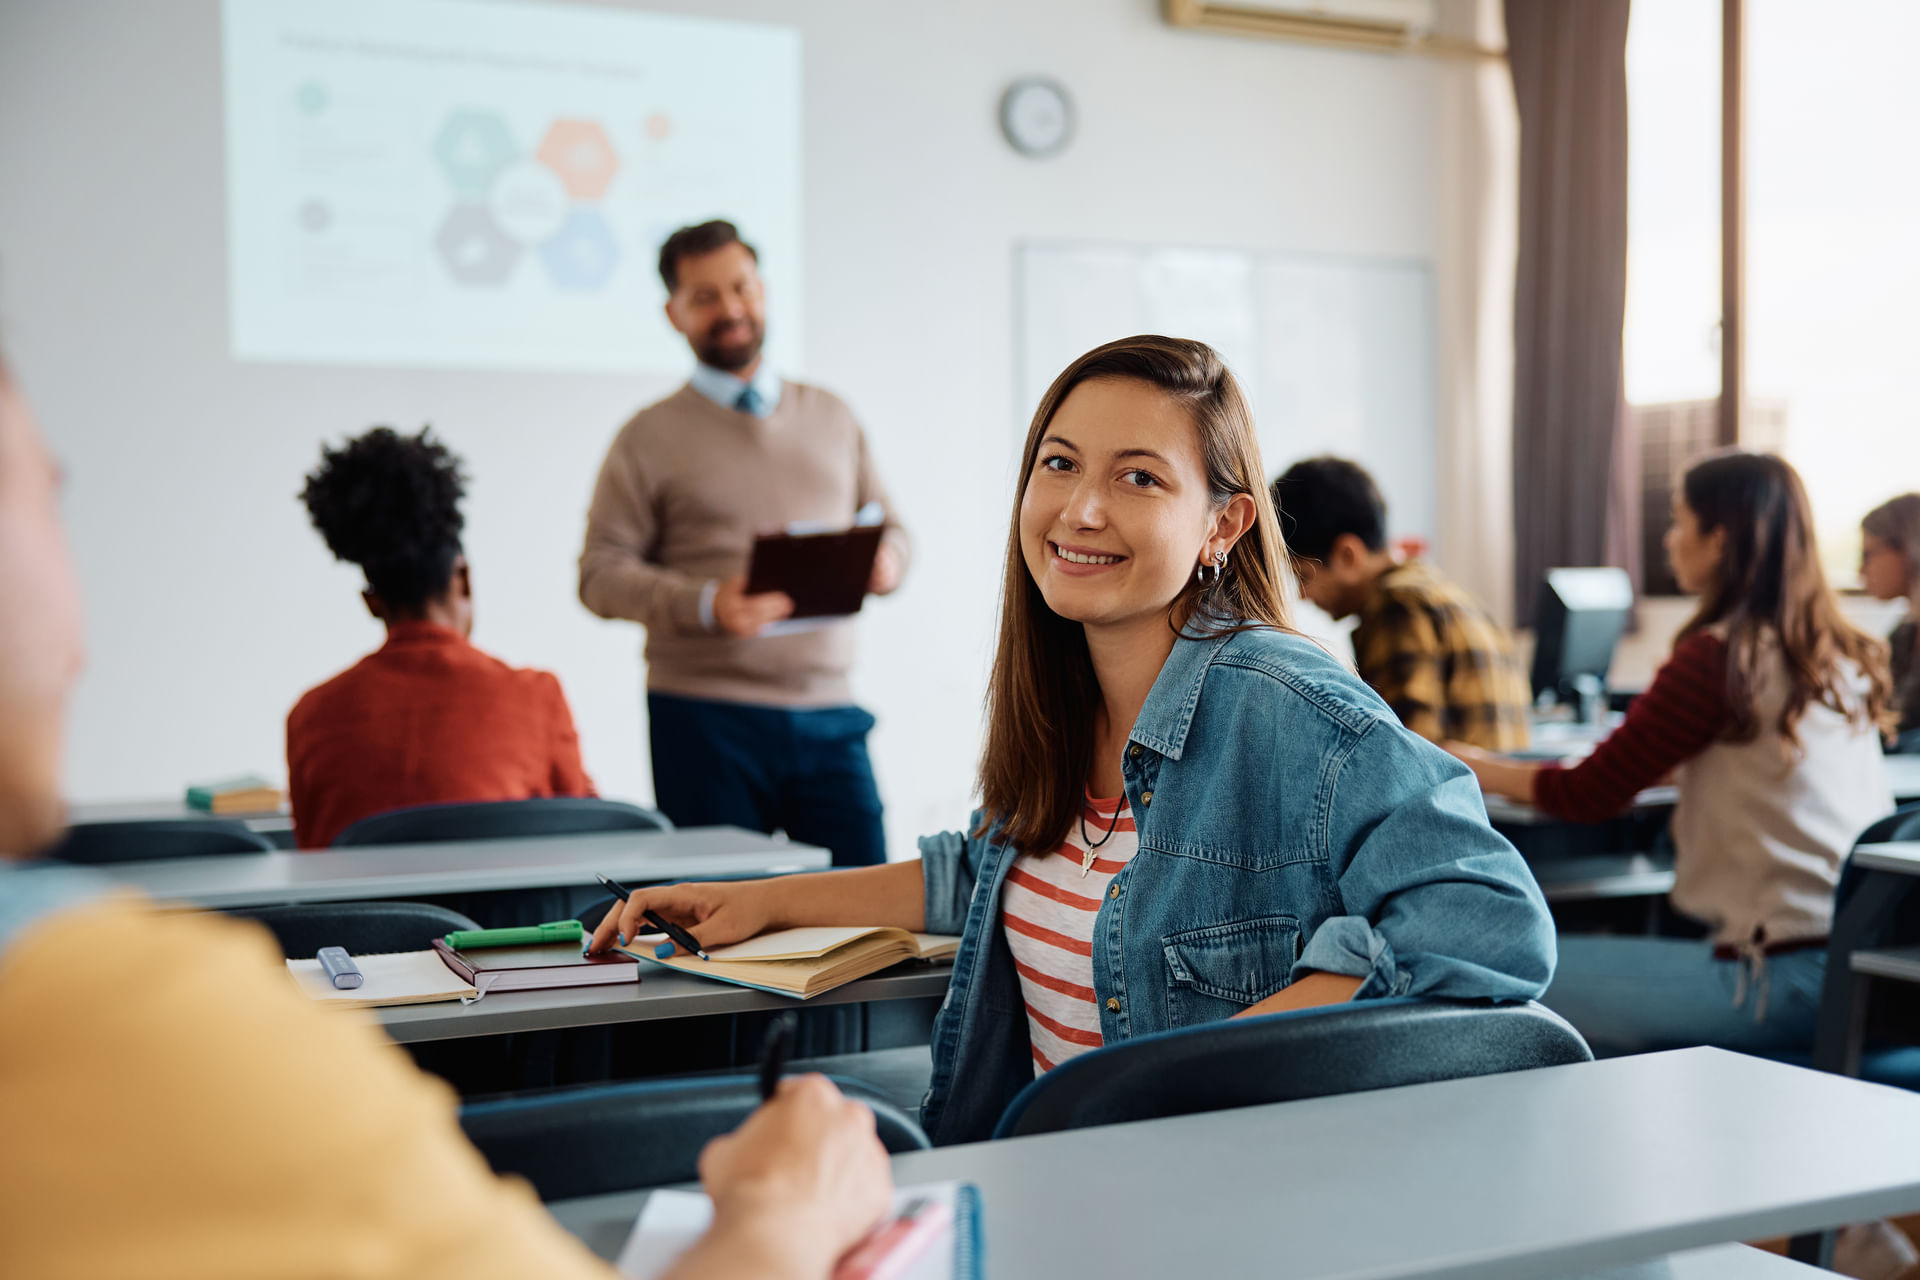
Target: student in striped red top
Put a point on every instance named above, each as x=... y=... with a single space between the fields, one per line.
x=1051 y=901
x=1767 y=715
x=1274 y=838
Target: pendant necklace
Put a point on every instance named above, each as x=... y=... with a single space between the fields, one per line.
x=1089 y=846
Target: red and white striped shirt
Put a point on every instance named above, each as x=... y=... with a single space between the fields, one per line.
x=1048 y=909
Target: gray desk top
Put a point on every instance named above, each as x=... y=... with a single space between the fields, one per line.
x=1903 y=775
x=172 y=811
x=1558 y=1172
x=464 y=866
x=1902 y=857
x=1620 y=875
x=660 y=993
x=1903 y=778
x=1899 y=963
x=1514 y=813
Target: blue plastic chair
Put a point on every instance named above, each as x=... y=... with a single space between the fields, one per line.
x=97 y=843
x=644 y=1133
x=1307 y=1053
x=501 y=820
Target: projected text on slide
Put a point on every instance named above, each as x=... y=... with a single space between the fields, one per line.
x=481 y=184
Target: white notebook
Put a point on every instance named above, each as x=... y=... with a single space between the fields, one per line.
x=671 y=1221
x=399 y=977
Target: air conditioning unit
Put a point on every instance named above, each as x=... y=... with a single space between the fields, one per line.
x=1388 y=26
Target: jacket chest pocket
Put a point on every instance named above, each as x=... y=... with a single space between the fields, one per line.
x=1217 y=972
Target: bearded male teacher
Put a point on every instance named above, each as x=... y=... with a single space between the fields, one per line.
x=747 y=728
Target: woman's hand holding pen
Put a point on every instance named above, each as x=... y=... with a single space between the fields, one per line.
x=715 y=914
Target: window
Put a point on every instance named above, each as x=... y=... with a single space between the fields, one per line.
x=1672 y=332
x=1673 y=202
x=1833 y=251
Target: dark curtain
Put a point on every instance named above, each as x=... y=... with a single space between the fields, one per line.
x=1572 y=466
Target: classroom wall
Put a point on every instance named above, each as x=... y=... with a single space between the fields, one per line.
x=213 y=605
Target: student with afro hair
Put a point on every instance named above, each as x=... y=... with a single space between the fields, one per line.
x=427 y=718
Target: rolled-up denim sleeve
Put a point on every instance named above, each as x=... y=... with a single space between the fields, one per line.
x=950 y=864
x=1434 y=902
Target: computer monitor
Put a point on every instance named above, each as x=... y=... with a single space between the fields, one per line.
x=1578 y=617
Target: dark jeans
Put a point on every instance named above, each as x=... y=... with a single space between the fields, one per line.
x=803 y=772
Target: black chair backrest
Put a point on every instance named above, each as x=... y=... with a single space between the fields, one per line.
x=644 y=1133
x=1902 y=824
x=1888 y=914
x=93 y=843
x=502 y=820
x=363 y=928
x=1308 y=1053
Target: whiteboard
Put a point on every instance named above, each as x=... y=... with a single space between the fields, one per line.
x=1334 y=353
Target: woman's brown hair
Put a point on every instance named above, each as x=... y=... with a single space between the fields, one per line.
x=1042 y=694
x=1897 y=523
x=1770 y=582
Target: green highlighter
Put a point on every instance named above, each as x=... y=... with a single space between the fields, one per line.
x=529 y=936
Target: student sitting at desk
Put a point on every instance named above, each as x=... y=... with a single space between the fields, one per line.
x=1427 y=647
x=1190 y=810
x=427 y=718
x=1890 y=570
x=172 y=1106
x=1767 y=713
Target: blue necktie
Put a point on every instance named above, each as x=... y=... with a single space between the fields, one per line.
x=749 y=401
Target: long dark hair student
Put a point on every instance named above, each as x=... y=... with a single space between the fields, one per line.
x=390 y=503
x=1765 y=716
x=1267 y=836
x=1042 y=693
x=1770 y=588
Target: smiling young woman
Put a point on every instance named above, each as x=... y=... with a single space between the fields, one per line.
x=1189 y=811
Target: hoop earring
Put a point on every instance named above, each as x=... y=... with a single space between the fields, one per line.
x=1209 y=574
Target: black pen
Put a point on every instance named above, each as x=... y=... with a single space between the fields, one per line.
x=773 y=1053
x=680 y=936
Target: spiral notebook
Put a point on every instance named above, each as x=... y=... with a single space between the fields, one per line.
x=671 y=1221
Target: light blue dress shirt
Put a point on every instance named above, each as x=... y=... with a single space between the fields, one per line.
x=724 y=388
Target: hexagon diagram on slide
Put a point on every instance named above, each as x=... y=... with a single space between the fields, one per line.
x=582 y=254
x=472 y=148
x=578 y=150
x=474 y=247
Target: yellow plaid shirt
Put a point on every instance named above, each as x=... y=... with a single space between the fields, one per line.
x=1444 y=666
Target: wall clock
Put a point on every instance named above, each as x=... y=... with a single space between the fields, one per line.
x=1037 y=116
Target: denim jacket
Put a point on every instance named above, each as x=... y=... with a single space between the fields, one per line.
x=1287 y=824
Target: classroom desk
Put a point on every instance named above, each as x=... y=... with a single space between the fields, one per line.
x=465 y=866
x=1558 y=1172
x=660 y=993
x=1572 y=862
x=275 y=824
x=1903 y=778
x=1903 y=775
x=1504 y=812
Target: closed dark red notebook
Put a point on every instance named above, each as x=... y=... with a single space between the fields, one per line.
x=555 y=964
x=825 y=573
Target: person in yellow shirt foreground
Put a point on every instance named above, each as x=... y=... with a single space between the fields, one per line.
x=172 y=1106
